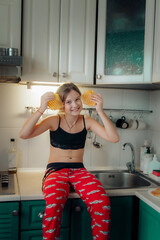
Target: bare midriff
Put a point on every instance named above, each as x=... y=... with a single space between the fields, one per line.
x=69 y=155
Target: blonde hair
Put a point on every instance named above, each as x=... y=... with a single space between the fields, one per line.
x=64 y=89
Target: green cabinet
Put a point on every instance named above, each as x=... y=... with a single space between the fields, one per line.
x=9 y=220
x=76 y=221
x=32 y=216
x=149 y=223
x=124 y=218
x=80 y=221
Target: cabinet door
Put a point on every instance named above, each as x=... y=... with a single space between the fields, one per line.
x=156 y=57
x=125 y=41
x=40 y=40
x=124 y=218
x=32 y=214
x=9 y=220
x=77 y=41
x=10 y=24
x=149 y=223
x=80 y=221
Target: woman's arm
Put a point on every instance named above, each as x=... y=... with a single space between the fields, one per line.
x=108 y=130
x=31 y=128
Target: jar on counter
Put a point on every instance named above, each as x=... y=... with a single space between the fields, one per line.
x=12 y=51
x=2 y=51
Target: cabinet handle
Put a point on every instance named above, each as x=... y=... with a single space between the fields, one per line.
x=41 y=214
x=55 y=74
x=99 y=76
x=78 y=209
x=64 y=75
x=15 y=213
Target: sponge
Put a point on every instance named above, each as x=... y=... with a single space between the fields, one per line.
x=86 y=98
x=56 y=103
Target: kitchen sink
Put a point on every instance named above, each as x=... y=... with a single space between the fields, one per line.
x=120 y=179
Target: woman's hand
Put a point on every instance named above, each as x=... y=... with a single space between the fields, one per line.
x=97 y=98
x=45 y=98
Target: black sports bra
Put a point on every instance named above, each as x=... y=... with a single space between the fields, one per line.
x=64 y=140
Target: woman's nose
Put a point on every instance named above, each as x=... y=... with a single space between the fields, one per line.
x=74 y=104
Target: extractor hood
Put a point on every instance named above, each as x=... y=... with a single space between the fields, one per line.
x=10 y=69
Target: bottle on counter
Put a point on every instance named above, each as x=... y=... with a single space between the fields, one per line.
x=12 y=156
x=154 y=164
x=143 y=151
x=147 y=159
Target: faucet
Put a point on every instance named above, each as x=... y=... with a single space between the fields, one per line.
x=130 y=165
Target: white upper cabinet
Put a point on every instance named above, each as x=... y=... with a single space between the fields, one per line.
x=125 y=41
x=156 y=57
x=77 y=41
x=59 y=40
x=10 y=24
x=40 y=40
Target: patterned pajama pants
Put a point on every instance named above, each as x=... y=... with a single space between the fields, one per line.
x=56 y=189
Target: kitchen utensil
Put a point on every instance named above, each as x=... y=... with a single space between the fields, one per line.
x=2 y=51
x=12 y=51
x=122 y=123
x=95 y=143
x=141 y=125
x=133 y=124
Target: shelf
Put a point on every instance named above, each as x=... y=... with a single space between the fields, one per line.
x=105 y=109
x=120 y=110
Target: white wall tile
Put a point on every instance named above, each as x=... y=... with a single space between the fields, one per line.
x=34 y=153
x=13 y=99
x=39 y=151
x=5 y=135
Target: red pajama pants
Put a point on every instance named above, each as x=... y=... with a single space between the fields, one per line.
x=56 y=189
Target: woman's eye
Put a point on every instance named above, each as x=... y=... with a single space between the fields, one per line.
x=68 y=102
x=77 y=99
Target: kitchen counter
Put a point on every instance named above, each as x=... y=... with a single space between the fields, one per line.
x=30 y=183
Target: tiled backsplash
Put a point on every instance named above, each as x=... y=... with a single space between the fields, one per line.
x=33 y=153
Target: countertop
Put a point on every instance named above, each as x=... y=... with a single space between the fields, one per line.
x=28 y=187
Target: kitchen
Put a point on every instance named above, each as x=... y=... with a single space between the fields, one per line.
x=19 y=100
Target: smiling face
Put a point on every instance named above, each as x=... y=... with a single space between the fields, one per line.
x=73 y=103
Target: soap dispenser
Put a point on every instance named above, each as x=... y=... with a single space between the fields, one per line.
x=147 y=159
x=154 y=164
x=143 y=151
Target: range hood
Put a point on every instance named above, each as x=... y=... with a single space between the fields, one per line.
x=10 y=69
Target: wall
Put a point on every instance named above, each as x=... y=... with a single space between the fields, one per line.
x=33 y=153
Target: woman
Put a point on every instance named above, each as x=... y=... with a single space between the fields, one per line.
x=65 y=166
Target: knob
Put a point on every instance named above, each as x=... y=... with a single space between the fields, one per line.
x=64 y=75
x=55 y=74
x=41 y=214
x=99 y=76
x=15 y=213
x=78 y=209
